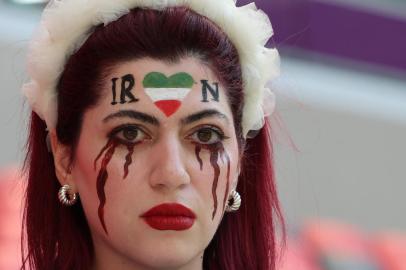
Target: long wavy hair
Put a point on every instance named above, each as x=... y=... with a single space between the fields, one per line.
x=58 y=237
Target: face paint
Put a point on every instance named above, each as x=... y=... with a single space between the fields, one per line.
x=113 y=89
x=108 y=145
x=197 y=152
x=103 y=174
x=216 y=151
x=167 y=93
x=128 y=159
x=102 y=178
x=127 y=85
x=214 y=92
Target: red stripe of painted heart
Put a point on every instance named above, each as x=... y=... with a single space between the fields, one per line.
x=168 y=107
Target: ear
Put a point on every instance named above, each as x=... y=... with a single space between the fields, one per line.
x=62 y=162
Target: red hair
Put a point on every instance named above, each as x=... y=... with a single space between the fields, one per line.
x=59 y=237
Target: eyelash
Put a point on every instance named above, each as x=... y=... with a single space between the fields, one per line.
x=212 y=129
x=131 y=127
x=128 y=127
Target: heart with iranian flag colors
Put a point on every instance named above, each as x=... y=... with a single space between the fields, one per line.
x=167 y=93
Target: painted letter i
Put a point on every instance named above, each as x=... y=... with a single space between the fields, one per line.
x=114 y=80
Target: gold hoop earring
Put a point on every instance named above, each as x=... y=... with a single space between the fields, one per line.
x=65 y=198
x=235 y=200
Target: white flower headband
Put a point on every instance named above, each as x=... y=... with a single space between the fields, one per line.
x=65 y=26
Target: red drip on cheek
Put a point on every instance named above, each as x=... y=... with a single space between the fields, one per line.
x=128 y=159
x=214 y=154
x=102 y=178
x=197 y=152
x=227 y=157
x=101 y=152
x=215 y=151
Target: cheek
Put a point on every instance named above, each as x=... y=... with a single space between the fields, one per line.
x=85 y=179
x=217 y=167
x=99 y=172
x=83 y=169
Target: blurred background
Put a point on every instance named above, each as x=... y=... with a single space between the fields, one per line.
x=339 y=130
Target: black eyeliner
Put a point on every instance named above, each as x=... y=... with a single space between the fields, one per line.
x=112 y=134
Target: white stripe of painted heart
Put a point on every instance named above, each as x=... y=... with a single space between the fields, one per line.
x=157 y=94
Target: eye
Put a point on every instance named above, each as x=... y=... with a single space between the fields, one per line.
x=207 y=135
x=129 y=134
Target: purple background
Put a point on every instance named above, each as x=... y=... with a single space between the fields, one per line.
x=338 y=30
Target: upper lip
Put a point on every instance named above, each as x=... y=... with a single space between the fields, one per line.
x=169 y=209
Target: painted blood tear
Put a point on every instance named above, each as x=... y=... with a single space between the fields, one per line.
x=102 y=178
x=108 y=151
x=216 y=151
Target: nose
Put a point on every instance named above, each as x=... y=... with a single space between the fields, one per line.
x=168 y=171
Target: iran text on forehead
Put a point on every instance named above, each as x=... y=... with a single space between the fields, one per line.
x=166 y=92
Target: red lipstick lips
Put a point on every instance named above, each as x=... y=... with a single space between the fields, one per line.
x=169 y=216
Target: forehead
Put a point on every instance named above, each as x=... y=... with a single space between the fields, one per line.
x=143 y=66
x=166 y=90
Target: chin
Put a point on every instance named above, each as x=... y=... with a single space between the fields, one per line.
x=168 y=260
x=167 y=255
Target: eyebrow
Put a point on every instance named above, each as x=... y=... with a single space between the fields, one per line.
x=146 y=118
x=203 y=114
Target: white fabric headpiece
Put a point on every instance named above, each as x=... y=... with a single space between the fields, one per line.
x=65 y=26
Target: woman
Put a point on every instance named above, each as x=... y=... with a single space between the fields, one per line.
x=143 y=124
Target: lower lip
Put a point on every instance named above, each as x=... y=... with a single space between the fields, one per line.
x=176 y=223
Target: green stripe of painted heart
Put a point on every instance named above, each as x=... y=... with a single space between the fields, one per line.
x=159 y=80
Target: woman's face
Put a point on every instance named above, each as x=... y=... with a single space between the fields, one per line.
x=156 y=160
